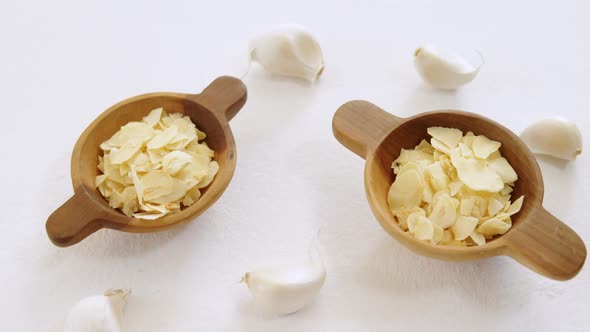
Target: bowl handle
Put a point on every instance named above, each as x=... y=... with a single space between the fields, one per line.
x=547 y=246
x=225 y=95
x=360 y=125
x=75 y=220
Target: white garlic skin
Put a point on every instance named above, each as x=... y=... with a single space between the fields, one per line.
x=445 y=69
x=286 y=289
x=288 y=50
x=100 y=313
x=557 y=137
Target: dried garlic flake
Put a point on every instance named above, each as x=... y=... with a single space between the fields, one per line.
x=454 y=190
x=151 y=168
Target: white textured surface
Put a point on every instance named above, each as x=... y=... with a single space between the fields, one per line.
x=63 y=63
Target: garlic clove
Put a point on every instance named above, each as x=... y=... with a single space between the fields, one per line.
x=286 y=289
x=557 y=137
x=446 y=69
x=288 y=50
x=100 y=313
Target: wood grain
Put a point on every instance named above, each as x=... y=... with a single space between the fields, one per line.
x=537 y=239
x=360 y=126
x=548 y=246
x=87 y=211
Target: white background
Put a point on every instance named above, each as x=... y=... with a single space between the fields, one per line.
x=63 y=63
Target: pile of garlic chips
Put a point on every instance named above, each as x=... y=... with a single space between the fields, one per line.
x=151 y=168
x=454 y=190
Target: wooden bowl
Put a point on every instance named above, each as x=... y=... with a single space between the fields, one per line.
x=537 y=239
x=87 y=211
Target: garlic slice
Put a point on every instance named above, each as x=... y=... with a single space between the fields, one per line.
x=406 y=191
x=464 y=227
x=503 y=169
x=444 y=212
x=493 y=227
x=483 y=147
x=515 y=207
x=557 y=137
x=288 y=50
x=448 y=136
x=467 y=205
x=445 y=69
x=440 y=146
x=286 y=289
x=406 y=156
x=100 y=313
x=494 y=207
x=174 y=161
x=476 y=174
x=438 y=177
x=478 y=238
x=414 y=218
x=421 y=227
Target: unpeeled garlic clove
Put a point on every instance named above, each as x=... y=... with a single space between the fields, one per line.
x=285 y=289
x=445 y=69
x=288 y=50
x=557 y=137
x=100 y=313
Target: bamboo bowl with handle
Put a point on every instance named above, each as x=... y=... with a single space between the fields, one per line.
x=537 y=239
x=87 y=211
